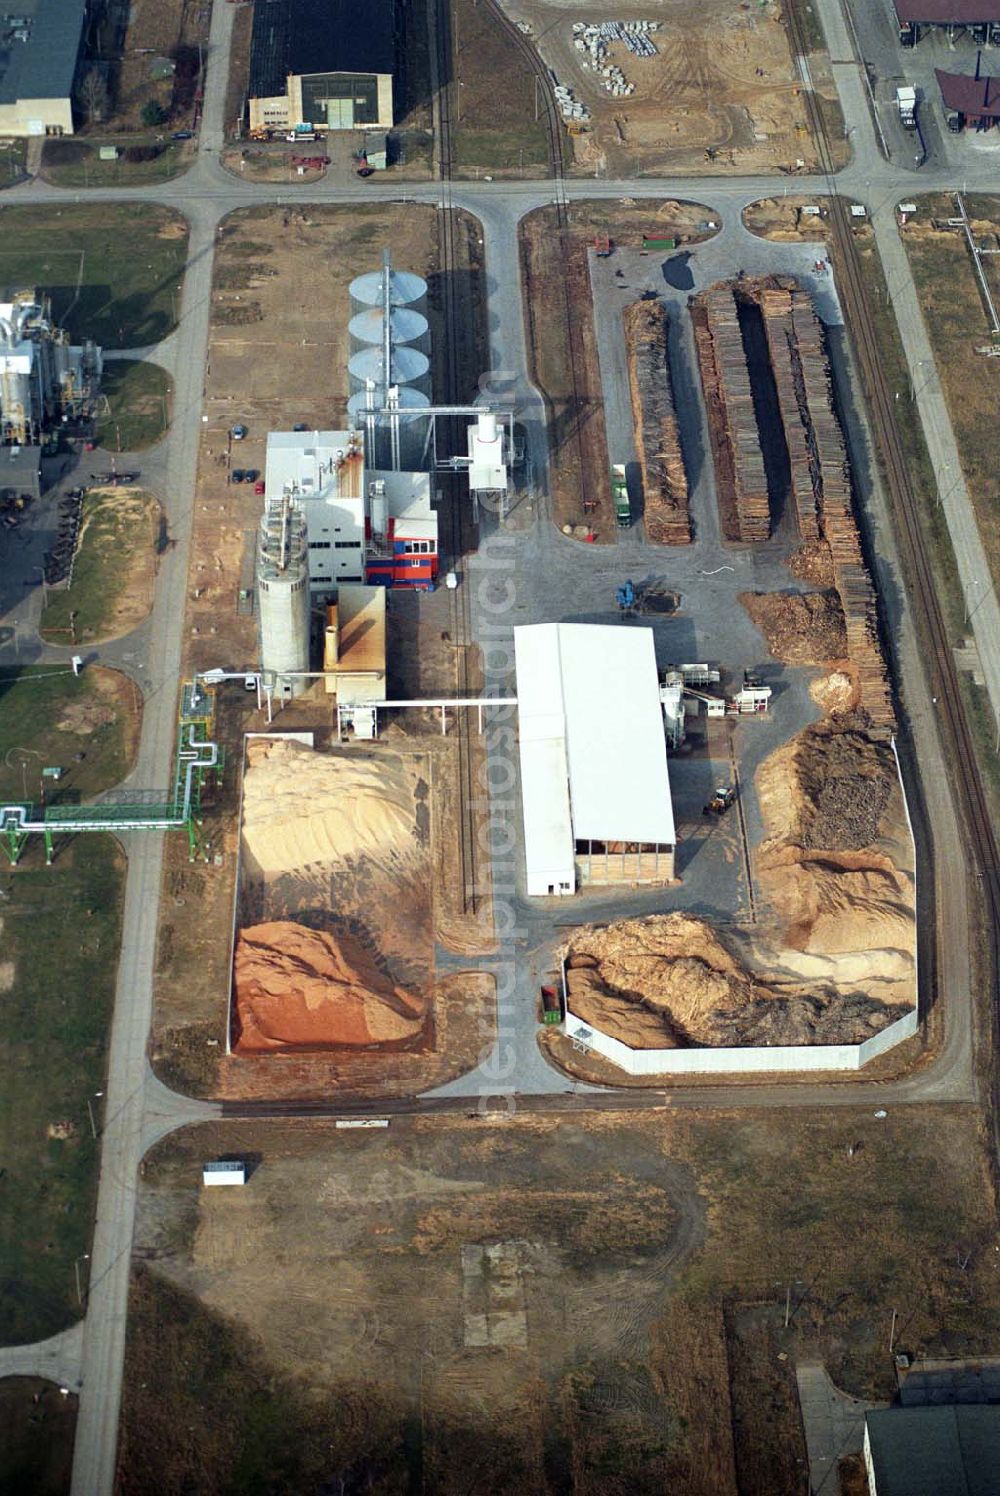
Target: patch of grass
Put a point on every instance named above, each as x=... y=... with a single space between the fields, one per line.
x=59 y=955
x=49 y=715
x=77 y=163
x=12 y=162
x=956 y=324
x=113 y=271
x=204 y=1411
x=109 y=594
x=493 y=105
x=137 y=413
x=37 y=1425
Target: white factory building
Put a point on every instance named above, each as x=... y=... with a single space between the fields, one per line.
x=595 y=788
x=361 y=525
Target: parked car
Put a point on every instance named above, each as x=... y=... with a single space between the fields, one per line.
x=236 y=476
x=300 y=426
x=239 y=432
x=258 y=487
x=251 y=475
x=182 y=135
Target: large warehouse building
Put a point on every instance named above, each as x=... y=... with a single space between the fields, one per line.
x=595 y=789
x=323 y=64
x=39 y=55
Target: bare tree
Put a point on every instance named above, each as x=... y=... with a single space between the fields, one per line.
x=92 y=96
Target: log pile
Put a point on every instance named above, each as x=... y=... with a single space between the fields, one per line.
x=740 y=477
x=821 y=480
x=664 y=479
x=776 y=305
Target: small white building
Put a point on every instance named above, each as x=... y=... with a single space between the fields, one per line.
x=223 y=1171
x=595 y=788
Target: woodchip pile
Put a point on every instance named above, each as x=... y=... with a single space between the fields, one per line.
x=740 y=477
x=664 y=480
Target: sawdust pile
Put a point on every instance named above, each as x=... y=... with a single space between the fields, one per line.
x=837 y=692
x=669 y=982
x=301 y=807
x=298 y=988
x=837 y=865
x=801 y=628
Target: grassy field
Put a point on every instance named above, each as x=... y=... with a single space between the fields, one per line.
x=956 y=323
x=660 y=1253
x=59 y=933
x=36 y=1438
x=58 y=959
x=113 y=271
x=85 y=724
x=493 y=109
x=77 y=163
x=137 y=413
x=114 y=570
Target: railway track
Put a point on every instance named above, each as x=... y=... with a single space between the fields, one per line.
x=461 y=537
x=957 y=740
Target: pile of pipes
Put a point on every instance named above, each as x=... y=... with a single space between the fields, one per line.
x=569 y=106
x=596 y=39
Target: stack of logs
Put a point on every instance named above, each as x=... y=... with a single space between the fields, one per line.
x=807 y=492
x=664 y=480
x=741 y=481
x=821 y=482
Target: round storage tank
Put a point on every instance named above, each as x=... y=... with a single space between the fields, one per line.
x=367 y=329
x=412 y=430
x=407 y=365
x=405 y=289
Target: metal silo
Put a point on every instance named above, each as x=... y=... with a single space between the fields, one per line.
x=397 y=441
x=407 y=365
x=368 y=329
x=283 y=596
x=405 y=289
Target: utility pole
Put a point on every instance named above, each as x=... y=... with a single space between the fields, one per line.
x=892 y=1333
x=76 y=1269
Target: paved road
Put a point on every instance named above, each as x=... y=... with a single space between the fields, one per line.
x=834 y=1425
x=139 y=1110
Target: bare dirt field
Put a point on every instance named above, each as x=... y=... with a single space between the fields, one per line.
x=563 y=345
x=722 y=92
x=493 y=1307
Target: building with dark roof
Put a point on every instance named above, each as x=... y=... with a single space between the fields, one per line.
x=977 y=100
x=979 y=17
x=322 y=64
x=39 y=55
x=951 y=1451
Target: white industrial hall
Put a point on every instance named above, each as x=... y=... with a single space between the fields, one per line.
x=595 y=787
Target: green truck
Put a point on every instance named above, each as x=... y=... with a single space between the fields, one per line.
x=619 y=493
